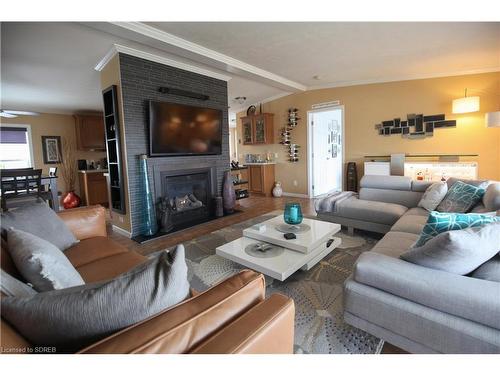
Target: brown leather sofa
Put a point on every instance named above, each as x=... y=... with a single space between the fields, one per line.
x=231 y=317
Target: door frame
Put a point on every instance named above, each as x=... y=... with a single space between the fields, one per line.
x=310 y=148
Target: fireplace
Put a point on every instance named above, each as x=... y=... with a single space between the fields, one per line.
x=190 y=197
x=189 y=193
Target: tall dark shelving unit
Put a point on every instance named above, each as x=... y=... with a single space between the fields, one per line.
x=113 y=148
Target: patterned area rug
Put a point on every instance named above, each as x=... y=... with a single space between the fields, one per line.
x=319 y=325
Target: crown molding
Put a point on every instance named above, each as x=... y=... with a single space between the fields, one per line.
x=118 y=48
x=403 y=78
x=263 y=101
x=151 y=36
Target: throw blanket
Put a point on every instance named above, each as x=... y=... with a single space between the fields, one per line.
x=328 y=202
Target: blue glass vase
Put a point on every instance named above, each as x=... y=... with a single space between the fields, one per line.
x=150 y=225
x=293 y=214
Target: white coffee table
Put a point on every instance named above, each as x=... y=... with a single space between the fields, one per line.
x=301 y=253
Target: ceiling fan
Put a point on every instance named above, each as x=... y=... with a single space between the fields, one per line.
x=7 y=113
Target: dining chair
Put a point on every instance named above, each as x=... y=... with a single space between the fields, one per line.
x=20 y=184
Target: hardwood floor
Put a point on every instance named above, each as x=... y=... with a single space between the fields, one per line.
x=250 y=207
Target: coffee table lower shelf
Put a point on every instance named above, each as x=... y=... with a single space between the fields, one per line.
x=279 y=267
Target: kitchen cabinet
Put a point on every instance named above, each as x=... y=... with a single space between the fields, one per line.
x=257 y=129
x=93 y=187
x=90 y=133
x=261 y=179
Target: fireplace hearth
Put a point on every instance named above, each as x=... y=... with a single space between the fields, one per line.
x=190 y=195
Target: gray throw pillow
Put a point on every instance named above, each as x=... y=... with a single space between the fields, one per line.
x=73 y=318
x=433 y=195
x=40 y=262
x=10 y=286
x=40 y=220
x=457 y=251
x=489 y=270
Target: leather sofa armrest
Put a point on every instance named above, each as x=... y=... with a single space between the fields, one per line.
x=85 y=222
x=267 y=328
x=189 y=323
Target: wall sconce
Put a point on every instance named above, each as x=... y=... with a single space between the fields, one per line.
x=467 y=104
x=492 y=119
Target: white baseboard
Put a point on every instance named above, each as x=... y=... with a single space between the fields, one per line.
x=296 y=195
x=121 y=231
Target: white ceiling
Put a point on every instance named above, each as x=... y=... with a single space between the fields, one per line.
x=49 y=67
x=345 y=52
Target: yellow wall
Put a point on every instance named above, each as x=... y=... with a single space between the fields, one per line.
x=367 y=105
x=110 y=75
x=52 y=124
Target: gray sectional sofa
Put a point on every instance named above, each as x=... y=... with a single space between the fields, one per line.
x=418 y=309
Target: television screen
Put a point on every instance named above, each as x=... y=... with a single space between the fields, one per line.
x=177 y=129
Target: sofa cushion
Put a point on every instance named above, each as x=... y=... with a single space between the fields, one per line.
x=92 y=249
x=472 y=299
x=433 y=196
x=90 y=312
x=457 y=251
x=417 y=211
x=461 y=197
x=439 y=222
x=109 y=267
x=386 y=182
x=410 y=224
x=371 y=211
x=489 y=270
x=40 y=220
x=40 y=262
x=394 y=243
x=491 y=198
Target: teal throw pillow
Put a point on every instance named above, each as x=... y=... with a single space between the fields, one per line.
x=461 y=197
x=439 y=222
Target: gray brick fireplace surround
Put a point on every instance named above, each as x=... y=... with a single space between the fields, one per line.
x=140 y=82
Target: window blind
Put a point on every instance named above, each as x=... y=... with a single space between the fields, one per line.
x=13 y=135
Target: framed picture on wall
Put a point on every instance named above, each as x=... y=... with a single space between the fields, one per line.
x=51 y=147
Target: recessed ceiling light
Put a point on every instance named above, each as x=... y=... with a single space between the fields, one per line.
x=240 y=99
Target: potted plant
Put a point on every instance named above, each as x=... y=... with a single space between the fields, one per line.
x=68 y=170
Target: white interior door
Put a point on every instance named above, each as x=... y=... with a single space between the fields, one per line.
x=326 y=150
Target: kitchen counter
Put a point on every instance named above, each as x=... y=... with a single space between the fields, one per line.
x=263 y=163
x=94 y=171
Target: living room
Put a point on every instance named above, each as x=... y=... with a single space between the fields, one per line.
x=251 y=187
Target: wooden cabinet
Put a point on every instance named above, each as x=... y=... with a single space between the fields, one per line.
x=90 y=133
x=257 y=129
x=93 y=188
x=261 y=179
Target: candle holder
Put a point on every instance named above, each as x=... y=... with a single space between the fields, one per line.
x=293 y=214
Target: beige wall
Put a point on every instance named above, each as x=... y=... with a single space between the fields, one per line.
x=110 y=75
x=367 y=105
x=52 y=124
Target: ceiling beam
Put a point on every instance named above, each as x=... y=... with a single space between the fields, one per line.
x=153 y=37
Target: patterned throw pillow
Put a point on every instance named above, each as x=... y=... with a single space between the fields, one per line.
x=438 y=222
x=461 y=197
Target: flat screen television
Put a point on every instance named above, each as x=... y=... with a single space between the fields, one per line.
x=178 y=129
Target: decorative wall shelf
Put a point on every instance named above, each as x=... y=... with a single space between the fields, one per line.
x=415 y=126
x=286 y=134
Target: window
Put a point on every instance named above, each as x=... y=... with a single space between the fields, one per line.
x=15 y=146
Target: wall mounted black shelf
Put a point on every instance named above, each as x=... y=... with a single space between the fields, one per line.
x=113 y=148
x=179 y=92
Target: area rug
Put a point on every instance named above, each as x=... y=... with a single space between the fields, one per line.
x=319 y=325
